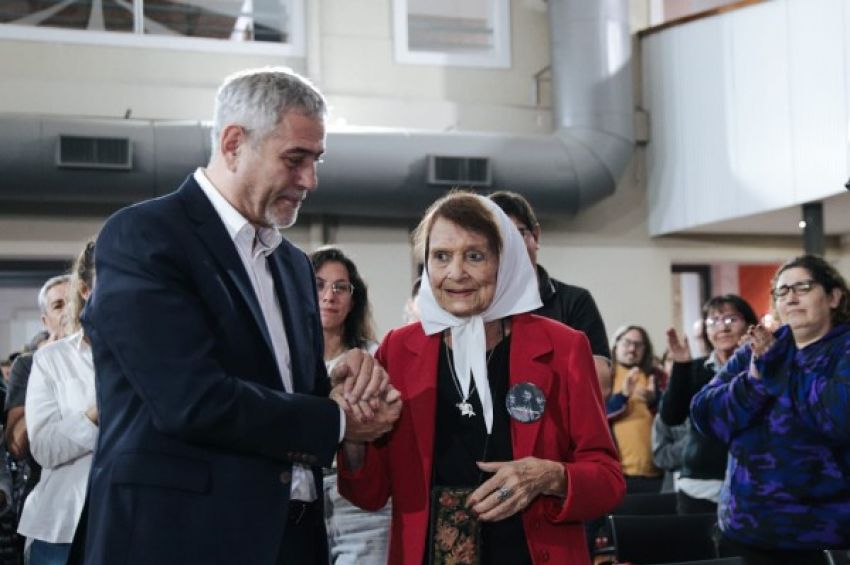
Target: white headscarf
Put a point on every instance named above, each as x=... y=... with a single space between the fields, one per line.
x=516 y=292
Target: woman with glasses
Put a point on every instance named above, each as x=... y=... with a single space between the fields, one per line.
x=725 y=320
x=782 y=406
x=354 y=536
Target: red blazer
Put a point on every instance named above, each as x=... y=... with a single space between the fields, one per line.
x=572 y=430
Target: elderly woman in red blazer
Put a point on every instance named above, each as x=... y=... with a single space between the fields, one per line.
x=502 y=448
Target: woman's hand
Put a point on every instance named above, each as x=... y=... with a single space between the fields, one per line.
x=515 y=485
x=677 y=346
x=761 y=340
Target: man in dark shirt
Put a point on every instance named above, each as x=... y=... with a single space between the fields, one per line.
x=568 y=304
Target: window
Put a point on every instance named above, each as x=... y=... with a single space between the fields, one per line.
x=474 y=33
x=271 y=26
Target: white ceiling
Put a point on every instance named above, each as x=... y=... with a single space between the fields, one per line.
x=836 y=212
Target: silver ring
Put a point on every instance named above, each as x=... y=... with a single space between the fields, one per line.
x=504 y=493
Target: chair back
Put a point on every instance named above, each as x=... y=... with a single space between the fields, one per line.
x=663 y=539
x=647 y=504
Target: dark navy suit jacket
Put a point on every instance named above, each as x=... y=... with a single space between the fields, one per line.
x=197 y=436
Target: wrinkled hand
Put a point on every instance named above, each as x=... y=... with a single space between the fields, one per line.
x=363 y=379
x=677 y=346
x=514 y=486
x=630 y=382
x=360 y=427
x=761 y=340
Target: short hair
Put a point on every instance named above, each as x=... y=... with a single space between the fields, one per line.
x=358 y=328
x=464 y=209
x=514 y=204
x=825 y=275
x=45 y=288
x=35 y=342
x=717 y=302
x=257 y=99
x=646 y=362
x=82 y=278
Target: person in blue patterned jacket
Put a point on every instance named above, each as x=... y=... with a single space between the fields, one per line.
x=782 y=405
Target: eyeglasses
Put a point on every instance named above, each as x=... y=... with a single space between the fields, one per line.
x=629 y=343
x=724 y=321
x=799 y=288
x=339 y=287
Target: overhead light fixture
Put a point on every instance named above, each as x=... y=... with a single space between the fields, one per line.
x=801 y=224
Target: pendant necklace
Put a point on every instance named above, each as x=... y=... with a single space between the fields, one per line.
x=465 y=406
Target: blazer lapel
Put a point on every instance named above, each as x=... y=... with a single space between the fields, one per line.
x=214 y=237
x=294 y=317
x=421 y=386
x=528 y=345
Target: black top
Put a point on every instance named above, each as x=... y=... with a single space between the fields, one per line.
x=575 y=307
x=460 y=441
x=702 y=457
x=19 y=376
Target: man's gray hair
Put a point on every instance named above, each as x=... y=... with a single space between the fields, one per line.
x=258 y=98
x=45 y=288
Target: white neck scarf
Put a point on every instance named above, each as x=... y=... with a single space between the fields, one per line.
x=516 y=292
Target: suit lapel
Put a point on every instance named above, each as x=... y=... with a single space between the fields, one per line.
x=528 y=345
x=294 y=316
x=215 y=238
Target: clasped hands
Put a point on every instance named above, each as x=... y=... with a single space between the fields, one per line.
x=362 y=388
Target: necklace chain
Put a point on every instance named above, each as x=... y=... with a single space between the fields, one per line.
x=464 y=406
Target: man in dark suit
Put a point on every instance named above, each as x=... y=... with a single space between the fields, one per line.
x=213 y=397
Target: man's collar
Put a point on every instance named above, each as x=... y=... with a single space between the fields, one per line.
x=238 y=227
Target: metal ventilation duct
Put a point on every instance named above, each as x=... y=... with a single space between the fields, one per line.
x=377 y=174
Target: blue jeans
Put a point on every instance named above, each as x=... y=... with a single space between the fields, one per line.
x=355 y=536
x=46 y=553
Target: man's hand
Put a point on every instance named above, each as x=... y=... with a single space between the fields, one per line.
x=649 y=392
x=362 y=378
x=630 y=382
x=383 y=418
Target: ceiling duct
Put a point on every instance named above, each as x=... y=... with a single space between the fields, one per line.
x=386 y=174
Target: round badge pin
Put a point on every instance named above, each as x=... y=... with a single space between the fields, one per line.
x=525 y=402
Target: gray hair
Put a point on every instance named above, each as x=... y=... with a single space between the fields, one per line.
x=258 y=98
x=45 y=288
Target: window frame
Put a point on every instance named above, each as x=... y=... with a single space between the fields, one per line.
x=498 y=58
x=295 y=47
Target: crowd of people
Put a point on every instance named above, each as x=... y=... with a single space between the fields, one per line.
x=205 y=392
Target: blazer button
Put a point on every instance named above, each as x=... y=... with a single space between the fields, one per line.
x=544 y=555
x=286 y=477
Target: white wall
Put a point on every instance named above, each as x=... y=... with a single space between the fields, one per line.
x=748 y=110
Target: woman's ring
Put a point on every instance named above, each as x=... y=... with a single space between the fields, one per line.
x=504 y=493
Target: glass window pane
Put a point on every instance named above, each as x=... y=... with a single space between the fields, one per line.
x=238 y=20
x=449 y=26
x=96 y=15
